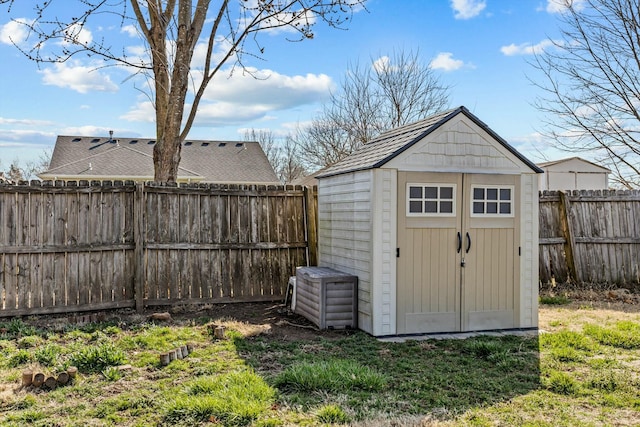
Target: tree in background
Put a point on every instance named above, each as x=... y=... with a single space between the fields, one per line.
x=14 y=174
x=281 y=152
x=390 y=92
x=19 y=171
x=172 y=29
x=591 y=84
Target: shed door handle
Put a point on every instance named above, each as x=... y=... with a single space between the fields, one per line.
x=459 y=242
x=468 y=242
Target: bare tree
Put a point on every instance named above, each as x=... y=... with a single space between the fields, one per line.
x=591 y=84
x=390 y=91
x=291 y=166
x=171 y=30
x=15 y=174
x=281 y=153
x=323 y=143
x=267 y=141
x=28 y=170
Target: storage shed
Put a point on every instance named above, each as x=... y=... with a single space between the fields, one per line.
x=439 y=221
x=574 y=173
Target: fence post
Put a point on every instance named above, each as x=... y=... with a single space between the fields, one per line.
x=311 y=217
x=568 y=234
x=138 y=237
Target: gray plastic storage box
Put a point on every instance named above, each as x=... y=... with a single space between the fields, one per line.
x=327 y=297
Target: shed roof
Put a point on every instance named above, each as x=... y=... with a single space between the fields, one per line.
x=132 y=158
x=391 y=143
x=573 y=159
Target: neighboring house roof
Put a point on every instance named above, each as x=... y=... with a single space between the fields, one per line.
x=76 y=157
x=390 y=144
x=587 y=163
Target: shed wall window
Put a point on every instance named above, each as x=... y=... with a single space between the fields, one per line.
x=431 y=199
x=496 y=201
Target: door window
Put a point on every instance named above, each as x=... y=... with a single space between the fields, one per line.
x=431 y=199
x=492 y=201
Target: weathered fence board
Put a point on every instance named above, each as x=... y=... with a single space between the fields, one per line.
x=590 y=236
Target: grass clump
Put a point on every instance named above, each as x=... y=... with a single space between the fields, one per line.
x=625 y=334
x=607 y=381
x=96 y=358
x=567 y=339
x=333 y=375
x=20 y=357
x=332 y=414
x=483 y=349
x=16 y=328
x=30 y=341
x=232 y=399
x=112 y=374
x=48 y=355
x=562 y=383
x=566 y=354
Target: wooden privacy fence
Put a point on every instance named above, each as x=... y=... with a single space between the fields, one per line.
x=590 y=236
x=92 y=246
x=74 y=247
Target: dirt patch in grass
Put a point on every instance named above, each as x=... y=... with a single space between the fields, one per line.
x=249 y=319
x=587 y=307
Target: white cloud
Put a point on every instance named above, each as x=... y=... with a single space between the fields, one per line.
x=24 y=122
x=266 y=87
x=22 y=137
x=88 y=130
x=16 y=31
x=559 y=6
x=444 y=61
x=526 y=48
x=381 y=64
x=227 y=113
x=142 y=112
x=245 y=97
x=77 y=77
x=467 y=9
x=130 y=30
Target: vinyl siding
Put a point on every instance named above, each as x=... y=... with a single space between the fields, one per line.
x=529 y=257
x=345 y=233
x=384 y=248
x=459 y=146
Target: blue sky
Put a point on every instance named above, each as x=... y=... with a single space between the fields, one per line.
x=479 y=47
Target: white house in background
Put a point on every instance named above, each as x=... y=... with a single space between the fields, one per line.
x=573 y=173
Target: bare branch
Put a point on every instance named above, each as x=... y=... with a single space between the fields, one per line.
x=591 y=86
x=388 y=92
x=171 y=30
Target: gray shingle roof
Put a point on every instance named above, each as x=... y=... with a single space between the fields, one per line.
x=391 y=143
x=76 y=157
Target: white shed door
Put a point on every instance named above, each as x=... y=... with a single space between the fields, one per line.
x=457 y=252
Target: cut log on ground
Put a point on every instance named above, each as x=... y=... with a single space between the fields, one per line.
x=51 y=383
x=72 y=371
x=63 y=378
x=38 y=380
x=27 y=378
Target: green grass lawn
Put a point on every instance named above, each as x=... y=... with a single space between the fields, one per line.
x=584 y=370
